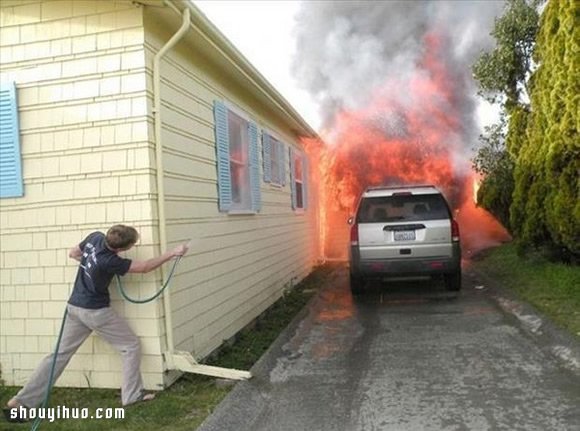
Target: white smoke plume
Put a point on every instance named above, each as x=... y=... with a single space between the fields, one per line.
x=350 y=50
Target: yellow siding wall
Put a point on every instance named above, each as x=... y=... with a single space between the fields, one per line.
x=239 y=264
x=83 y=73
x=79 y=67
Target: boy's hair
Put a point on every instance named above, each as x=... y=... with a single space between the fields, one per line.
x=121 y=237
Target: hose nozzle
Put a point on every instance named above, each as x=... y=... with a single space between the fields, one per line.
x=188 y=245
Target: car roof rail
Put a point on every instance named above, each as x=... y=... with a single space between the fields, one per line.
x=402 y=186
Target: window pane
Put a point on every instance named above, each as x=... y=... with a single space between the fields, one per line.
x=239 y=165
x=298 y=179
x=299 y=199
x=298 y=167
x=238 y=134
x=274 y=161
x=403 y=208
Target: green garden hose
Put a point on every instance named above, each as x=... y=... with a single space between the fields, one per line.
x=38 y=420
x=159 y=292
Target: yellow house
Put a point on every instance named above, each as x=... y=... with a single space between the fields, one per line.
x=143 y=113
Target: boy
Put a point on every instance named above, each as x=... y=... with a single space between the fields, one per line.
x=89 y=310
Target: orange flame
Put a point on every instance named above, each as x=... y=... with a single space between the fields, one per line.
x=394 y=141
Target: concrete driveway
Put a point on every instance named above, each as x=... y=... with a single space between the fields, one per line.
x=411 y=357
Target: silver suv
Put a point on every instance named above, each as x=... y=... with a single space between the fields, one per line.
x=404 y=231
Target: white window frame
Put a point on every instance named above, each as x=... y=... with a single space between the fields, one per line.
x=277 y=160
x=275 y=165
x=237 y=157
x=239 y=162
x=299 y=180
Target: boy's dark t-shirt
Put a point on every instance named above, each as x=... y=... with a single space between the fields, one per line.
x=96 y=270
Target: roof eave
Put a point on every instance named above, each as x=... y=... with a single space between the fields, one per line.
x=260 y=85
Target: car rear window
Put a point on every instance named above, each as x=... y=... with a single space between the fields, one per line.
x=403 y=208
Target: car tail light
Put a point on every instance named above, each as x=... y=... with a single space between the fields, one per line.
x=354 y=234
x=454 y=230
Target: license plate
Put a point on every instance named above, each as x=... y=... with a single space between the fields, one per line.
x=404 y=235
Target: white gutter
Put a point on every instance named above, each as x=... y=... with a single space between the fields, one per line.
x=175 y=360
x=159 y=166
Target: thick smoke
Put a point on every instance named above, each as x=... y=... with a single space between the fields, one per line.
x=348 y=51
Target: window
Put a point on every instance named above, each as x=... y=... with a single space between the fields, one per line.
x=10 y=163
x=274 y=160
x=237 y=161
x=299 y=179
x=405 y=208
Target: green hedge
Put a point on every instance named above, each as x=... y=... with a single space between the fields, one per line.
x=546 y=199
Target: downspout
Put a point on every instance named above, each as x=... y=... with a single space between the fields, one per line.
x=176 y=360
x=159 y=166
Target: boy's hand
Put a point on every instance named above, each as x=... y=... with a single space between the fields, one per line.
x=180 y=250
x=144 y=266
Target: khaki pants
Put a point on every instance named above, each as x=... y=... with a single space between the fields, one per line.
x=80 y=322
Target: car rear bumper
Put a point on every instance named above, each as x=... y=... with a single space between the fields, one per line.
x=405 y=266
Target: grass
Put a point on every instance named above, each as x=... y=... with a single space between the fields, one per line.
x=552 y=288
x=186 y=404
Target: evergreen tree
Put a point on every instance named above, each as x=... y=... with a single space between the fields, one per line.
x=502 y=73
x=496 y=166
x=503 y=77
x=546 y=207
x=541 y=143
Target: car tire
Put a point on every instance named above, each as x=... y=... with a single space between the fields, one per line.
x=453 y=281
x=356 y=285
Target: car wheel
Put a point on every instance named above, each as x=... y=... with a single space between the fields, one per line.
x=356 y=285
x=453 y=281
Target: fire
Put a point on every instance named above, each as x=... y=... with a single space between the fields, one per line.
x=476 y=184
x=479 y=229
x=415 y=140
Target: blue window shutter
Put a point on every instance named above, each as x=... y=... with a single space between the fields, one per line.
x=304 y=182
x=292 y=183
x=282 y=164
x=10 y=163
x=223 y=156
x=254 y=167
x=267 y=155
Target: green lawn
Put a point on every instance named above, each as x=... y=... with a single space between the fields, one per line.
x=192 y=398
x=552 y=288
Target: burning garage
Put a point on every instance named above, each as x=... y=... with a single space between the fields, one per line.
x=400 y=105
